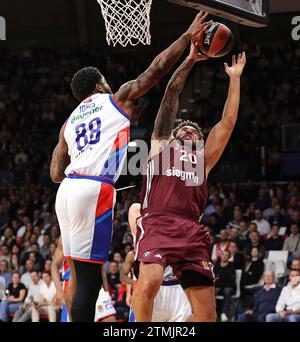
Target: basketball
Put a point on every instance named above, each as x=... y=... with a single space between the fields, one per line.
x=215 y=40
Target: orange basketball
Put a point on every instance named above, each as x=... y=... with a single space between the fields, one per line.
x=215 y=40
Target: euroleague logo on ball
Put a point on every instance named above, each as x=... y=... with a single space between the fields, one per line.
x=214 y=40
x=208 y=33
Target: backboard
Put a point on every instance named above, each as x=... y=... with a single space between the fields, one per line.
x=247 y=12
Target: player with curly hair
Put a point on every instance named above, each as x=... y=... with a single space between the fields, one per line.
x=174 y=195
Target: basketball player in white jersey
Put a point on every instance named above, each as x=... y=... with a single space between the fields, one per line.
x=171 y=303
x=87 y=161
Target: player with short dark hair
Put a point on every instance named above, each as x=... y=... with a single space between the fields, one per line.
x=174 y=196
x=87 y=161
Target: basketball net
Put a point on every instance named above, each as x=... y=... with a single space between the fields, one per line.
x=127 y=21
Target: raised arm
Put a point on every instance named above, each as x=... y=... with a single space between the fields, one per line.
x=60 y=159
x=166 y=115
x=132 y=90
x=221 y=132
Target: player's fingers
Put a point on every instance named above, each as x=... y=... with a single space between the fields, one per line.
x=225 y=65
x=208 y=22
x=203 y=17
x=244 y=58
x=239 y=57
x=233 y=60
x=199 y=15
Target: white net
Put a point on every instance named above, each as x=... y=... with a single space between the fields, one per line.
x=127 y=21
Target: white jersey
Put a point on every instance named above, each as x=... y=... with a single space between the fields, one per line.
x=97 y=135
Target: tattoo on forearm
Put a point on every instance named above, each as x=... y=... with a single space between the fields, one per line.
x=168 y=110
x=58 y=164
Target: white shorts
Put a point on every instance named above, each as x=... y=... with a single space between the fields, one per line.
x=84 y=208
x=171 y=305
x=104 y=306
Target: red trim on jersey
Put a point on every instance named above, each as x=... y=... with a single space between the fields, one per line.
x=86 y=260
x=105 y=199
x=122 y=139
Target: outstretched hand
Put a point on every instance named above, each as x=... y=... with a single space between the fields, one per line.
x=236 y=70
x=197 y=24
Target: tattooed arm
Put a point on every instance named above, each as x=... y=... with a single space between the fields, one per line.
x=60 y=159
x=165 y=118
x=132 y=90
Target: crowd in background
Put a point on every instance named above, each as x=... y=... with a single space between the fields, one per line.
x=246 y=221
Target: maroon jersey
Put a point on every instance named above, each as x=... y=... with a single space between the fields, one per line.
x=175 y=182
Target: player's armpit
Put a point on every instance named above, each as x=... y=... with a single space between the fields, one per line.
x=60 y=159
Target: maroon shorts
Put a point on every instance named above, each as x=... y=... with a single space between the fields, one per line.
x=175 y=240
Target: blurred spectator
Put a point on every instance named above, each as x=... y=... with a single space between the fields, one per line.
x=118 y=233
x=32 y=298
x=225 y=283
x=127 y=248
x=52 y=249
x=254 y=268
x=264 y=300
x=295 y=266
x=44 y=304
x=220 y=246
x=270 y=212
x=34 y=254
x=236 y=258
x=128 y=239
x=252 y=228
x=26 y=276
x=14 y=263
x=14 y=298
x=5 y=253
x=288 y=304
x=292 y=243
x=8 y=239
x=237 y=218
x=255 y=241
x=47 y=266
x=117 y=256
x=4 y=273
x=278 y=216
x=45 y=248
x=243 y=235
x=275 y=241
x=113 y=276
x=263 y=226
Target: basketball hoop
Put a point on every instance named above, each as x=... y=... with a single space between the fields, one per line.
x=127 y=21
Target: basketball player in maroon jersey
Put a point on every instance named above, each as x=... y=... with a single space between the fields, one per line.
x=174 y=196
